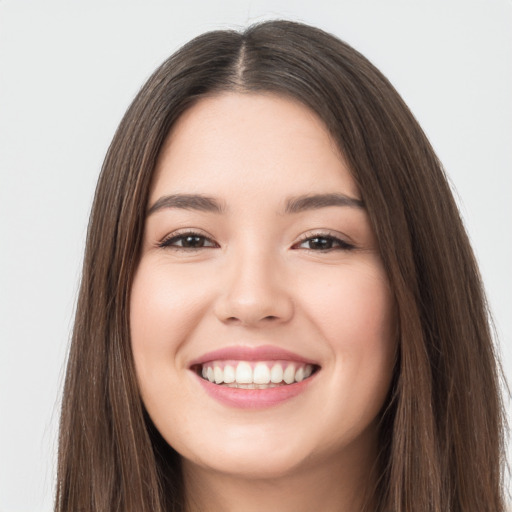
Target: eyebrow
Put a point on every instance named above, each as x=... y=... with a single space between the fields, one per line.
x=297 y=204
x=317 y=201
x=187 y=202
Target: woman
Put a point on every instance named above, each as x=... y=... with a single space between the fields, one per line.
x=279 y=305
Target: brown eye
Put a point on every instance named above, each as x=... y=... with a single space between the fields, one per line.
x=188 y=241
x=193 y=241
x=324 y=243
x=321 y=244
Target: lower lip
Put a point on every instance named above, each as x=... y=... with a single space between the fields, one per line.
x=254 y=398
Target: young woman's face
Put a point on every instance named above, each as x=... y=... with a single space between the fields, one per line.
x=262 y=321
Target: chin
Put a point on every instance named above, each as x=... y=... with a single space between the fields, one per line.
x=251 y=464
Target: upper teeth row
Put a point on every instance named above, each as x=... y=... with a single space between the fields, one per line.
x=243 y=372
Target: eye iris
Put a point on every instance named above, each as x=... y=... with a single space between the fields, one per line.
x=193 y=241
x=320 y=243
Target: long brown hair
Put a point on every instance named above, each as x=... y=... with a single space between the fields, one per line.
x=441 y=431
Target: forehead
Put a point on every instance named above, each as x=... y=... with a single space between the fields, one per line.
x=246 y=142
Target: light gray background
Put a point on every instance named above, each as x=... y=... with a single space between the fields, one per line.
x=68 y=70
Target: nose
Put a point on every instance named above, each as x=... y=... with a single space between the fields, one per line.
x=254 y=292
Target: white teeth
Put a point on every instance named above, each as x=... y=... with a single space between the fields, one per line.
x=257 y=375
x=218 y=374
x=289 y=374
x=244 y=373
x=229 y=374
x=276 y=374
x=261 y=374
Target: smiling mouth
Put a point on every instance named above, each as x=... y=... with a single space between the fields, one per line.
x=254 y=374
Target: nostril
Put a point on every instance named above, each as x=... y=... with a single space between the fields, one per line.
x=268 y=318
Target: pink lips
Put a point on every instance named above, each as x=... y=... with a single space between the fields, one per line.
x=252 y=398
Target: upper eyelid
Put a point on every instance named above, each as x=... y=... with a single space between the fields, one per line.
x=325 y=234
x=187 y=231
x=182 y=234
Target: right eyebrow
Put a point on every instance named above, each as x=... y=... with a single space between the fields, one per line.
x=187 y=202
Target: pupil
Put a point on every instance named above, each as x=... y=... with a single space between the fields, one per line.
x=193 y=241
x=320 y=243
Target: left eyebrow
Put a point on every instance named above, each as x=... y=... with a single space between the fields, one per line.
x=316 y=201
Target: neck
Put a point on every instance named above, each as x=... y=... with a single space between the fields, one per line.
x=337 y=486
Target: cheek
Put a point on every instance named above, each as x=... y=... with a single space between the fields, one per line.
x=164 y=308
x=354 y=303
x=354 y=312
x=162 y=302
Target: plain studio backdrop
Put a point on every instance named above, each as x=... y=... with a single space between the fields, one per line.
x=68 y=71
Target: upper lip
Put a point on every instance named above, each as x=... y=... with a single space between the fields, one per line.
x=246 y=353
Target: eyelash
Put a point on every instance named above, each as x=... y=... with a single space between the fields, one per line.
x=175 y=237
x=336 y=243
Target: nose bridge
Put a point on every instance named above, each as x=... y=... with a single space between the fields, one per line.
x=254 y=288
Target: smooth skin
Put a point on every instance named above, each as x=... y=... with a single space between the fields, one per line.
x=251 y=273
